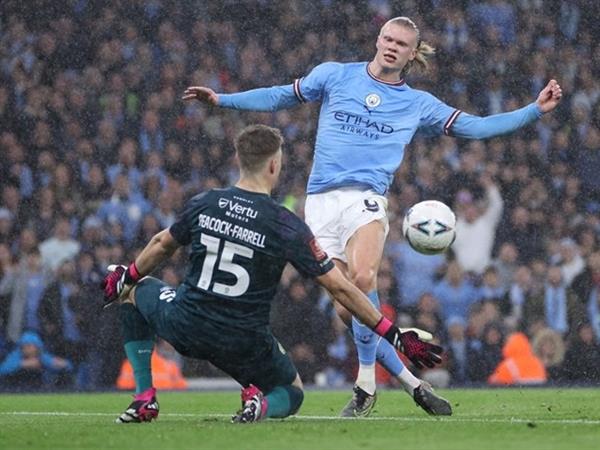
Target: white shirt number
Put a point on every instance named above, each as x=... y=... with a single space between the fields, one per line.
x=226 y=264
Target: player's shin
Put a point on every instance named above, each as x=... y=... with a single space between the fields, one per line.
x=388 y=357
x=366 y=346
x=284 y=401
x=139 y=342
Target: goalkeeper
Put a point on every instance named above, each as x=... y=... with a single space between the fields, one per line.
x=240 y=241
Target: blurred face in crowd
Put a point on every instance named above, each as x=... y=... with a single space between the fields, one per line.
x=568 y=251
x=34 y=261
x=456 y=331
x=508 y=253
x=428 y=303
x=66 y=272
x=490 y=278
x=62 y=230
x=554 y=276
x=523 y=276
x=396 y=46
x=493 y=336
x=29 y=351
x=586 y=334
x=594 y=263
x=454 y=273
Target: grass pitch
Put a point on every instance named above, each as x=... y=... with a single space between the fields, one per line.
x=483 y=419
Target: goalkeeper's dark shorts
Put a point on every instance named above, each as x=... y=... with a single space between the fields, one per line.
x=255 y=358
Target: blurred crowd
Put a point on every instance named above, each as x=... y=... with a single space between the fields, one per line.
x=98 y=153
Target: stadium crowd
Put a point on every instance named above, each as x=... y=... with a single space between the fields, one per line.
x=98 y=153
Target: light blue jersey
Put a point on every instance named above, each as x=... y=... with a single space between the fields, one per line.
x=365 y=122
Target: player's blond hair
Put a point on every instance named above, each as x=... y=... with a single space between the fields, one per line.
x=255 y=145
x=424 y=50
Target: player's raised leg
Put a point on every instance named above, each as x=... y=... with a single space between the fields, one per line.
x=364 y=252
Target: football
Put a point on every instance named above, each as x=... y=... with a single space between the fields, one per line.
x=429 y=227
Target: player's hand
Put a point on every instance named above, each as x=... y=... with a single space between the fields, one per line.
x=549 y=96
x=119 y=281
x=420 y=352
x=202 y=94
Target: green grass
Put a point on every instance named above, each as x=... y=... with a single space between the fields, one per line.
x=483 y=419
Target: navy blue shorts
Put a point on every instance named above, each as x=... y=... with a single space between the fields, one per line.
x=262 y=362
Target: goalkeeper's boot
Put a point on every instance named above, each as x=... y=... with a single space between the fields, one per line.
x=432 y=403
x=144 y=408
x=254 y=406
x=360 y=405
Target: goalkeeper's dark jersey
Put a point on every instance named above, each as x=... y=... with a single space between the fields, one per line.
x=240 y=242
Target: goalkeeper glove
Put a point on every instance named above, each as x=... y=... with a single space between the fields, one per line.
x=119 y=281
x=421 y=353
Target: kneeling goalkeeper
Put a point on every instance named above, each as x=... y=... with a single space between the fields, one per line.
x=240 y=241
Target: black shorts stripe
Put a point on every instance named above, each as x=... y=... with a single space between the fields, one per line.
x=450 y=121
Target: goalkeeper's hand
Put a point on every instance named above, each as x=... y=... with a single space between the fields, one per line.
x=119 y=281
x=421 y=353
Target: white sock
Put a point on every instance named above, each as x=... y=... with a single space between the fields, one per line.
x=366 y=378
x=408 y=381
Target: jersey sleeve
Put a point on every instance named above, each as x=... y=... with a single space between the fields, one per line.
x=181 y=230
x=312 y=87
x=304 y=252
x=437 y=117
x=262 y=99
x=475 y=127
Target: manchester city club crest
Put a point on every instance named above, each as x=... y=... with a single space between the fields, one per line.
x=373 y=101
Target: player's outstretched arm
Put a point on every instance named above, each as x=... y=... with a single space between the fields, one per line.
x=263 y=99
x=474 y=127
x=421 y=353
x=120 y=279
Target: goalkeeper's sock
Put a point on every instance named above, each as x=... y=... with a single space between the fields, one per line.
x=139 y=341
x=366 y=346
x=388 y=357
x=284 y=401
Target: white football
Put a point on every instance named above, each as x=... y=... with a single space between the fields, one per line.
x=429 y=227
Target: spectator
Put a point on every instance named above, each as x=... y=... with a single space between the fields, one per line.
x=519 y=366
x=30 y=367
x=506 y=264
x=490 y=288
x=476 y=229
x=569 y=259
x=25 y=283
x=520 y=291
x=60 y=315
x=586 y=289
x=455 y=293
x=414 y=272
x=60 y=247
x=485 y=353
x=457 y=349
x=582 y=356
x=549 y=347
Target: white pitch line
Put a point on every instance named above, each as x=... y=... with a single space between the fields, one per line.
x=512 y=420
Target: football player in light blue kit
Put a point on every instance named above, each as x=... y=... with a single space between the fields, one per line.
x=368 y=115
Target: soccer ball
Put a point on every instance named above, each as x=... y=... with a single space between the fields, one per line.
x=429 y=227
